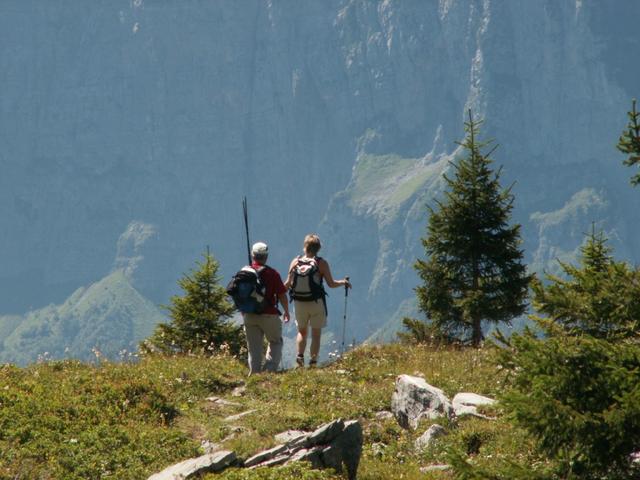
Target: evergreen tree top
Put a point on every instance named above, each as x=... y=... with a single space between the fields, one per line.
x=595 y=254
x=629 y=142
x=599 y=297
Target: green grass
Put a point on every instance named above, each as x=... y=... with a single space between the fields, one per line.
x=71 y=420
x=375 y=171
x=382 y=183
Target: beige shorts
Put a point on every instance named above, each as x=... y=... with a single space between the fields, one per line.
x=310 y=313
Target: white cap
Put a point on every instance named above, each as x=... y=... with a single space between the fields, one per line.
x=260 y=249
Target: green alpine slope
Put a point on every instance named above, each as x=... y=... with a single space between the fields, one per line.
x=108 y=318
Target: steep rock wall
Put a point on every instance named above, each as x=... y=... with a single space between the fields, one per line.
x=166 y=113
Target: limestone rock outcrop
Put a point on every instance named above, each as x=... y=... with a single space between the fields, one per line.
x=468 y=403
x=414 y=399
x=429 y=436
x=336 y=445
x=214 y=462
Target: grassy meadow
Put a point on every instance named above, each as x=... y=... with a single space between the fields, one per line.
x=71 y=420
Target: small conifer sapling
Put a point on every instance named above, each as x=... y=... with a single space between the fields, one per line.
x=200 y=317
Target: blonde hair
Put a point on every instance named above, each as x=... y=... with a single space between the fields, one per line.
x=312 y=244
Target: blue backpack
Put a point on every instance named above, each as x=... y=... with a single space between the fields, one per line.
x=247 y=290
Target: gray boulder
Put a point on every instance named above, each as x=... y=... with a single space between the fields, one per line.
x=265 y=455
x=336 y=445
x=414 y=399
x=238 y=416
x=214 y=462
x=326 y=433
x=468 y=403
x=345 y=449
x=383 y=415
x=428 y=437
x=289 y=436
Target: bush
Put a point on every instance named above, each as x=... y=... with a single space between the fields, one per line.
x=579 y=396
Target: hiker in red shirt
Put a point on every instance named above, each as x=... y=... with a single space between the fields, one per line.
x=266 y=324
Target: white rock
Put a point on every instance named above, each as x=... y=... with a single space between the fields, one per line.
x=414 y=399
x=468 y=403
x=209 y=447
x=384 y=415
x=325 y=433
x=265 y=455
x=336 y=445
x=289 y=436
x=223 y=402
x=239 y=391
x=214 y=462
x=233 y=418
x=428 y=437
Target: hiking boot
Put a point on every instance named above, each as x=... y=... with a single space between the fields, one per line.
x=313 y=363
x=300 y=360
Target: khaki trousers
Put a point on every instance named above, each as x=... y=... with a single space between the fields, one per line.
x=256 y=327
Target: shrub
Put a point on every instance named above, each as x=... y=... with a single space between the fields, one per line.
x=579 y=396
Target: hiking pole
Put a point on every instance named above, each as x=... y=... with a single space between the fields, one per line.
x=344 y=318
x=246 y=226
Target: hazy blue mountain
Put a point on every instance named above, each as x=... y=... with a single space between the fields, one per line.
x=154 y=118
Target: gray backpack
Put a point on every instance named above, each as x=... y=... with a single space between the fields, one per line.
x=307 y=281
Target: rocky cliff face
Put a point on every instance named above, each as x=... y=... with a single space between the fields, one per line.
x=337 y=115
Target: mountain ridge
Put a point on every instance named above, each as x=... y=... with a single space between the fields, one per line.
x=138 y=113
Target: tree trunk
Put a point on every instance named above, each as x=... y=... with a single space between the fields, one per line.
x=477 y=332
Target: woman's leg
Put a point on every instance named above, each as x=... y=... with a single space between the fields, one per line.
x=301 y=341
x=315 y=343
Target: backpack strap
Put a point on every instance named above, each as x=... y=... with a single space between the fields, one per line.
x=275 y=299
x=293 y=267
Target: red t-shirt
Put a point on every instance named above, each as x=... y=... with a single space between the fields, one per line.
x=273 y=287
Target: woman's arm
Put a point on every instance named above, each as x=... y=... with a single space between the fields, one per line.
x=325 y=271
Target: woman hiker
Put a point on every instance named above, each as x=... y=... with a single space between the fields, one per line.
x=307 y=273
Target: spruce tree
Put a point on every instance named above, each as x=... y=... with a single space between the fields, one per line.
x=474 y=271
x=199 y=318
x=629 y=142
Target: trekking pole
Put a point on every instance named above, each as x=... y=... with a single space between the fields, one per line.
x=344 y=318
x=246 y=226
